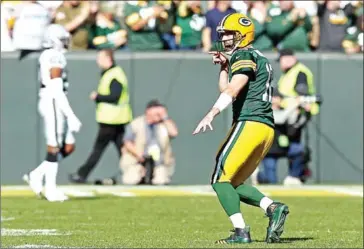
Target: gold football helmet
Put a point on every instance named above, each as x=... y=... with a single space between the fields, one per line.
x=242 y=29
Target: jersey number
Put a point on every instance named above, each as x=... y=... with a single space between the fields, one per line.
x=267 y=96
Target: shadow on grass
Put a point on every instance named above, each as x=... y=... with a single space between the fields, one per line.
x=289 y=240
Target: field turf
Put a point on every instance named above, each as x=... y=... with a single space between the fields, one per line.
x=173 y=221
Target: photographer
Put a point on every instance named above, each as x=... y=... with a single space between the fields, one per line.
x=289 y=123
x=147 y=151
x=296 y=82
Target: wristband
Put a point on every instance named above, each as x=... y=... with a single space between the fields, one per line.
x=223 y=101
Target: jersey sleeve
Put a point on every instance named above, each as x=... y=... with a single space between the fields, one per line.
x=129 y=134
x=55 y=60
x=243 y=63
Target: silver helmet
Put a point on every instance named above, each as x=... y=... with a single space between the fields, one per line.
x=56 y=37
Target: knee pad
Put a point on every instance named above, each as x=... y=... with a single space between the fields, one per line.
x=51 y=157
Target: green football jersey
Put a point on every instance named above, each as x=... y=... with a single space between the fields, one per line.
x=254 y=101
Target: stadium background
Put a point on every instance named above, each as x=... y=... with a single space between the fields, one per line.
x=336 y=134
x=187 y=213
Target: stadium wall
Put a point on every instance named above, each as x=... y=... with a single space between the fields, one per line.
x=187 y=83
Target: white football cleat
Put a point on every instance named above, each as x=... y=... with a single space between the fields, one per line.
x=55 y=196
x=292 y=181
x=35 y=183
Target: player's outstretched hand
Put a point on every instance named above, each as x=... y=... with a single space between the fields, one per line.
x=74 y=124
x=205 y=122
x=218 y=58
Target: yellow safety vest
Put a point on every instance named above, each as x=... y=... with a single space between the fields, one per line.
x=114 y=114
x=288 y=80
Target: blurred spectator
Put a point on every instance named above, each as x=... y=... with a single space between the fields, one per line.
x=51 y=6
x=31 y=21
x=353 y=41
x=113 y=112
x=190 y=23
x=257 y=11
x=333 y=25
x=350 y=9
x=288 y=27
x=311 y=10
x=106 y=32
x=166 y=23
x=240 y=6
x=147 y=152
x=213 y=18
x=6 y=26
x=309 y=6
x=74 y=16
x=140 y=19
x=117 y=7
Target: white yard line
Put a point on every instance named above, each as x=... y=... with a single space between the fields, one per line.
x=31 y=232
x=6 y=219
x=37 y=246
x=348 y=191
x=78 y=193
x=123 y=194
x=120 y=190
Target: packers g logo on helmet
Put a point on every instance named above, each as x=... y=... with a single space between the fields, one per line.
x=245 y=22
x=242 y=29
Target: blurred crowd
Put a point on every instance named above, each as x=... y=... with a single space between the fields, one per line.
x=302 y=26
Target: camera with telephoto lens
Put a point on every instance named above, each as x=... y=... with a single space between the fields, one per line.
x=310 y=99
x=149 y=165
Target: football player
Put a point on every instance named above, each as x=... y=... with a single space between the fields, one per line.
x=60 y=122
x=245 y=82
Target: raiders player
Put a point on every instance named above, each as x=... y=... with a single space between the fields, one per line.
x=59 y=119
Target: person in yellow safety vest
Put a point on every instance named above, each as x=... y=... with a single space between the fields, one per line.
x=113 y=112
x=296 y=80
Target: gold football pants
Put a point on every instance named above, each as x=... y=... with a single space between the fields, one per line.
x=242 y=150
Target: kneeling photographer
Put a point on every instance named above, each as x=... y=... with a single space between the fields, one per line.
x=147 y=151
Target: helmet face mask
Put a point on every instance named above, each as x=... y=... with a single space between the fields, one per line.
x=57 y=37
x=66 y=42
x=230 y=40
x=235 y=31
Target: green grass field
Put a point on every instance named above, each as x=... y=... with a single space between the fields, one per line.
x=162 y=221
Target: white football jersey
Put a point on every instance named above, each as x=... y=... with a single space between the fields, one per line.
x=31 y=22
x=48 y=59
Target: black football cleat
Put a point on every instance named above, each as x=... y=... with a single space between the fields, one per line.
x=75 y=178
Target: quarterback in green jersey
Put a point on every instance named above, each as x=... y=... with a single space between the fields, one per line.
x=245 y=82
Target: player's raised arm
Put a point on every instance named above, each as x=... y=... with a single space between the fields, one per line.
x=225 y=99
x=219 y=58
